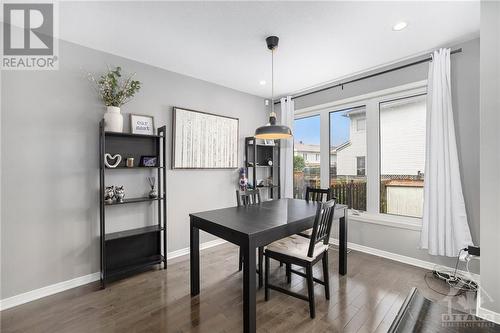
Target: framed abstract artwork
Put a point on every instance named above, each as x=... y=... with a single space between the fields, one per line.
x=203 y=140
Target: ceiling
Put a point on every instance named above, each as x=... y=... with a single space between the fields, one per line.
x=224 y=42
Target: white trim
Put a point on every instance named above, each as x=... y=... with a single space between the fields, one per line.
x=394 y=221
x=400 y=258
x=485 y=313
x=203 y=246
x=52 y=289
x=32 y=295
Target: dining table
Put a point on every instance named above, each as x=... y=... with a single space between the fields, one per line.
x=254 y=226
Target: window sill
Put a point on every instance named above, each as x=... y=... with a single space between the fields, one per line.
x=403 y=222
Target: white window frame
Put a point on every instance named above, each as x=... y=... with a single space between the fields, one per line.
x=371 y=101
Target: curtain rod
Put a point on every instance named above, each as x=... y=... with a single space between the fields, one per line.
x=368 y=76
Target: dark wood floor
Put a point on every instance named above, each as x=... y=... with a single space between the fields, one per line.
x=365 y=300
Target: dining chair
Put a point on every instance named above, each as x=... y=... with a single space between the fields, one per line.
x=318 y=195
x=297 y=250
x=246 y=198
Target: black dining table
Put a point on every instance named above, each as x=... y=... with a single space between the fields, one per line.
x=254 y=226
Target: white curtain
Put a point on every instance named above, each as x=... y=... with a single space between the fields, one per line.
x=445 y=229
x=286 y=161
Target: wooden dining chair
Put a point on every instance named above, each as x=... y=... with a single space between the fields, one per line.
x=297 y=250
x=318 y=195
x=246 y=198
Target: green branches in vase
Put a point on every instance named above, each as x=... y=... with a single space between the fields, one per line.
x=115 y=90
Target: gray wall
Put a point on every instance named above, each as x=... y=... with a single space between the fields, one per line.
x=490 y=155
x=50 y=164
x=465 y=92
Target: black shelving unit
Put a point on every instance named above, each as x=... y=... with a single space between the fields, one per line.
x=257 y=155
x=128 y=251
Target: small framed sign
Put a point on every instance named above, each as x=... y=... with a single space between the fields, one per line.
x=140 y=124
x=148 y=161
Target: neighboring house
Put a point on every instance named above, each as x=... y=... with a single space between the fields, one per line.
x=402 y=154
x=310 y=153
x=402 y=140
x=351 y=155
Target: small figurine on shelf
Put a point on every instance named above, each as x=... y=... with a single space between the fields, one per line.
x=119 y=193
x=108 y=160
x=153 y=193
x=270 y=181
x=243 y=182
x=109 y=194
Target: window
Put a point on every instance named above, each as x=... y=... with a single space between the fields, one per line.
x=360 y=166
x=306 y=157
x=376 y=153
x=402 y=156
x=347 y=157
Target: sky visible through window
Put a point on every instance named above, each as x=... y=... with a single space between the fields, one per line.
x=339 y=128
x=307 y=129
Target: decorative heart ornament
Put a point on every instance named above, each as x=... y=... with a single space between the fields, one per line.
x=116 y=157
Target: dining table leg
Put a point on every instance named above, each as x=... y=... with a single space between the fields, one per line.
x=194 y=245
x=249 y=302
x=343 y=244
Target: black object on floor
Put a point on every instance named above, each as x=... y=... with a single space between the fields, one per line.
x=419 y=314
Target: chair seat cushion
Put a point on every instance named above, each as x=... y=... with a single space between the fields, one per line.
x=306 y=233
x=296 y=246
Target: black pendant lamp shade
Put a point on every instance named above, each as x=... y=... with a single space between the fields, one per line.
x=272 y=131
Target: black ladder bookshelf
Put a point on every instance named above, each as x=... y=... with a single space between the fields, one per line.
x=132 y=250
x=258 y=153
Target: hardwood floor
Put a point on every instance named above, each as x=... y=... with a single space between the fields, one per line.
x=365 y=300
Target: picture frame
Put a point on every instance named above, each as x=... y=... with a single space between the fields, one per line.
x=142 y=124
x=202 y=140
x=148 y=161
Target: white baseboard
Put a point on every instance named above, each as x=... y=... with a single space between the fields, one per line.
x=485 y=313
x=203 y=246
x=400 y=258
x=32 y=295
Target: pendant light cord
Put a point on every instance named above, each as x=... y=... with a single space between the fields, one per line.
x=272 y=80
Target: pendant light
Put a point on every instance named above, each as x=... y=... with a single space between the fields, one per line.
x=272 y=131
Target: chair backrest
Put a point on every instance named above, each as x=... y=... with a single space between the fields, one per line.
x=318 y=194
x=322 y=225
x=248 y=197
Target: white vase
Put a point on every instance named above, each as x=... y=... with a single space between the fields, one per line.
x=113 y=119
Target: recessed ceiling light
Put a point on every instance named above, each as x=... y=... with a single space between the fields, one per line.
x=399 y=26
x=262 y=82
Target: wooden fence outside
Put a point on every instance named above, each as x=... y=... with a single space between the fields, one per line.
x=352 y=194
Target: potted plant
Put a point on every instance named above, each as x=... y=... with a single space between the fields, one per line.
x=114 y=92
